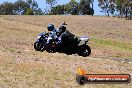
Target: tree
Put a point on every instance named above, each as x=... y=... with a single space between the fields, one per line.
x=51 y=3
x=119 y=6
x=30 y=12
x=72 y=7
x=24 y=7
x=38 y=12
x=128 y=8
x=124 y=7
x=20 y=7
x=112 y=8
x=58 y=10
x=32 y=4
x=108 y=6
x=6 y=8
x=85 y=8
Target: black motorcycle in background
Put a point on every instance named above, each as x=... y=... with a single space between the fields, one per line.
x=69 y=44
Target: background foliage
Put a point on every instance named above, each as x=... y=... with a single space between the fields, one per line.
x=121 y=8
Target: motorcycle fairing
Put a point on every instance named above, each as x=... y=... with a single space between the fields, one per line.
x=83 y=40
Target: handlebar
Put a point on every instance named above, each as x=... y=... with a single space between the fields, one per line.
x=64 y=23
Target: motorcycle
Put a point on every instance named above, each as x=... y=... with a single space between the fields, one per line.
x=67 y=43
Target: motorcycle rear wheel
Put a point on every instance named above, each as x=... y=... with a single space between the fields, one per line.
x=84 y=50
x=49 y=49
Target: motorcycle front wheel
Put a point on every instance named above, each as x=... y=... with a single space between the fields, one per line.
x=84 y=50
x=38 y=46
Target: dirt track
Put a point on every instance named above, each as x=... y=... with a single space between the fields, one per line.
x=22 y=66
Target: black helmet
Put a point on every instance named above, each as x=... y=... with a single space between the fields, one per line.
x=50 y=27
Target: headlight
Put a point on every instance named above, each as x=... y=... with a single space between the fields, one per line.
x=39 y=37
x=49 y=38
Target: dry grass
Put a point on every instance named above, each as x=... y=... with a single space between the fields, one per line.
x=22 y=67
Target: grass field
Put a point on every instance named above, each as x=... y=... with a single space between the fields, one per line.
x=22 y=67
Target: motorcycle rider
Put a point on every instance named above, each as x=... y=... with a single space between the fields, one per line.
x=51 y=28
x=67 y=39
x=62 y=35
x=56 y=33
x=52 y=32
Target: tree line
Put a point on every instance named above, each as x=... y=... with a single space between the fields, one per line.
x=84 y=7
x=20 y=7
x=30 y=7
x=122 y=8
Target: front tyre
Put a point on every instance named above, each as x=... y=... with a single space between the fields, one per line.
x=84 y=50
x=38 y=46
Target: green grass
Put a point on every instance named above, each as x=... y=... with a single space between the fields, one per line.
x=112 y=43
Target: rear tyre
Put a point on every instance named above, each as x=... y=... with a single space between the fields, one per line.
x=84 y=50
x=49 y=49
